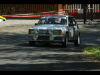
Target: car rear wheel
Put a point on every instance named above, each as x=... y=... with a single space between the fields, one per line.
x=78 y=41
x=65 y=43
x=31 y=43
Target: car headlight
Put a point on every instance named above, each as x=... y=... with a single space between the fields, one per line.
x=51 y=38
x=35 y=31
x=50 y=31
x=35 y=37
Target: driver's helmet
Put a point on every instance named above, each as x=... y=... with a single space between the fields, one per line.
x=57 y=20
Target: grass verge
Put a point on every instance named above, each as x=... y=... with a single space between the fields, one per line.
x=93 y=51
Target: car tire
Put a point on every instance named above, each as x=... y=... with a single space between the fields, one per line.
x=31 y=43
x=65 y=43
x=78 y=41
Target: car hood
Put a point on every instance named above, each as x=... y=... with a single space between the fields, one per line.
x=48 y=26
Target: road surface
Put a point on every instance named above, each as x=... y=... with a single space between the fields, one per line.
x=17 y=55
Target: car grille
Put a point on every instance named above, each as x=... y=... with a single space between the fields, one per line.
x=57 y=38
x=43 y=38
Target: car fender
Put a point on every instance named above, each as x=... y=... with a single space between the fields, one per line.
x=77 y=35
x=65 y=32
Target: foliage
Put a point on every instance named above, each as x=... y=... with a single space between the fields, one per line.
x=93 y=51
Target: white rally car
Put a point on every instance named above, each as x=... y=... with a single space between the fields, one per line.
x=55 y=29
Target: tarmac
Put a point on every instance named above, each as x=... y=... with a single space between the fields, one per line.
x=17 y=55
x=10 y=22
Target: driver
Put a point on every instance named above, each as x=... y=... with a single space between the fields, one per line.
x=57 y=20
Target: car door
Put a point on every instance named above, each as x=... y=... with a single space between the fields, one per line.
x=75 y=28
x=71 y=29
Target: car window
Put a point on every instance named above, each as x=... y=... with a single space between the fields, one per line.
x=42 y=21
x=74 y=22
x=70 y=21
x=52 y=21
x=63 y=21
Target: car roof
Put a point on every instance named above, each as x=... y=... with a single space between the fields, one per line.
x=56 y=16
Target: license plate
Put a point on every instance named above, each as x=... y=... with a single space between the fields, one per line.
x=42 y=32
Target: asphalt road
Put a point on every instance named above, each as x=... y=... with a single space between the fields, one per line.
x=17 y=55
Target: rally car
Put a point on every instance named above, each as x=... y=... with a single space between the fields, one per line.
x=55 y=29
x=2 y=18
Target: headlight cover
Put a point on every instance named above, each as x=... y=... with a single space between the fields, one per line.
x=50 y=31
x=51 y=37
x=35 y=31
x=35 y=37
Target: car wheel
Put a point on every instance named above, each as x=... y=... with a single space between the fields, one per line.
x=31 y=43
x=78 y=41
x=65 y=43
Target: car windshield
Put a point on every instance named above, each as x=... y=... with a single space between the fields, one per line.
x=52 y=21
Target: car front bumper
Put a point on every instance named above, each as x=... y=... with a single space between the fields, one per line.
x=46 y=38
